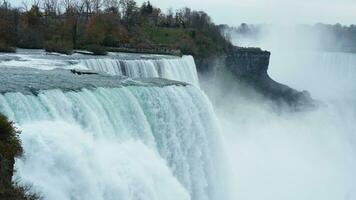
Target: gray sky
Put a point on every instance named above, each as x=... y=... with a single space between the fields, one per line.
x=234 y=12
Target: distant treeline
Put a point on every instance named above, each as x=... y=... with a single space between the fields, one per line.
x=337 y=37
x=64 y=25
x=328 y=37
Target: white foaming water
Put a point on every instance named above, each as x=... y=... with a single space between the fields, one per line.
x=309 y=155
x=179 y=69
x=149 y=66
x=33 y=60
x=125 y=143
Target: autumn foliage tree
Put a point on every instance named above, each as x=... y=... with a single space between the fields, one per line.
x=8 y=21
x=64 y=25
x=31 y=29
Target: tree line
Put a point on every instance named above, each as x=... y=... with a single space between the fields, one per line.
x=63 y=25
x=336 y=37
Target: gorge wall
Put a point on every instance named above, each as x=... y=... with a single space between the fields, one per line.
x=250 y=67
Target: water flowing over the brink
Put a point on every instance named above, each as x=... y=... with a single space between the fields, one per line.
x=179 y=69
x=129 y=143
x=132 y=65
x=324 y=74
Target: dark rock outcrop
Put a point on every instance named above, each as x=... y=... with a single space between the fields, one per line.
x=250 y=66
x=248 y=63
x=10 y=148
x=83 y=72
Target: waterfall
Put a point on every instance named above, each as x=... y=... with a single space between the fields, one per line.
x=132 y=65
x=321 y=73
x=179 y=69
x=130 y=142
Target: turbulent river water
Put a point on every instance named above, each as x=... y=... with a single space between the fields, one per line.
x=121 y=138
x=149 y=138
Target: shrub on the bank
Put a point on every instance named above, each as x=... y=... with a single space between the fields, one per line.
x=19 y=192
x=6 y=48
x=96 y=49
x=59 y=46
x=10 y=147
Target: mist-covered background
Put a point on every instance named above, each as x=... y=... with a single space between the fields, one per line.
x=277 y=154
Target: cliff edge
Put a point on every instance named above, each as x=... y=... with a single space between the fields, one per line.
x=250 y=66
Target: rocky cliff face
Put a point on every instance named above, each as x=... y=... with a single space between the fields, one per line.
x=250 y=66
x=248 y=63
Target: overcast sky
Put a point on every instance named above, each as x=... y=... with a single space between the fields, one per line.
x=234 y=12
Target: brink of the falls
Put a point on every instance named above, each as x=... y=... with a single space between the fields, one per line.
x=103 y=137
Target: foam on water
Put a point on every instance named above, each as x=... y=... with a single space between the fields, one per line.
x=122 y=143
x=132 y=65
x=292 y=156
x=180 y=69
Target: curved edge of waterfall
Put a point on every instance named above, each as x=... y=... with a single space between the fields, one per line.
x=32 y=81
x=129 y=142
x=122 y=64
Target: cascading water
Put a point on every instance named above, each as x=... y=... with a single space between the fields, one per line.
x=131 y=142
x=179 y=69
x=131 y=65
x=124 y=138
x=318 y=70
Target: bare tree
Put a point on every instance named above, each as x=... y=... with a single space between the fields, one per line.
x=5 y=4
x=187 y=16
x=111 y=4
x=68 y=4
x=36 y=3
x=86 y=5
x=129 y=11
x=97 y=4
x=50 y=7
x=25 y=6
